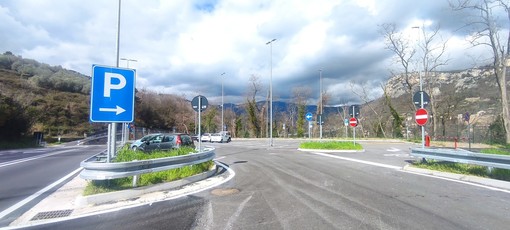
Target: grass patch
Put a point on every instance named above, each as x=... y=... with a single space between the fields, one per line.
x=496 y=151
x=22 y=143
x=125 y=155
x=467 y=169
x=331 y=145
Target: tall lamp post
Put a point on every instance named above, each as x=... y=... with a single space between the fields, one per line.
x=125 y=135
x=222 y=125
x=270 y=43
x=320 y=110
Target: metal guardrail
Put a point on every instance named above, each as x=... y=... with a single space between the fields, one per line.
x=96 y=169
x=463 y=156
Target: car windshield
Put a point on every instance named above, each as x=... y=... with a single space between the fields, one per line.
x=148 y=137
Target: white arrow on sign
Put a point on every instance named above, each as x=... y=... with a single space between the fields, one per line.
x=117 y=110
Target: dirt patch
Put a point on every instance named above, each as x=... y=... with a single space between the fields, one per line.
x=224 y=191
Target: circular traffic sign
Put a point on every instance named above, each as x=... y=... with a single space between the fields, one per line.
x=308 y=116
x=353 y=122
x=203 y=103
x=421 y=117
x=417 y=99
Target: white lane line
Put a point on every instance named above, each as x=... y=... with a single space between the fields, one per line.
x=219 y=158
x=234 y=216
x=37 y=194
x=415 y=173
x=32 y=158
x=359 y=161
x=459 y=181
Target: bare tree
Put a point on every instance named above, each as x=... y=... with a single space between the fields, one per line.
x=362 y=93
x=488 y=33
x=404 y=51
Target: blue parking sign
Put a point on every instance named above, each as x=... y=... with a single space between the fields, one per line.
x=112 y=94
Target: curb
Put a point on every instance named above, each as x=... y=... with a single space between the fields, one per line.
x=505 y=185
x=98 y=199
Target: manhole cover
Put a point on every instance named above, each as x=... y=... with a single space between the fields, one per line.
x=224 y=191
x=52 y=214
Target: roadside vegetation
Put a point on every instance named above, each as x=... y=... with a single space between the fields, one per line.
x=331 y=145
x=126 y=155
x=468 y=169
x=22 y=143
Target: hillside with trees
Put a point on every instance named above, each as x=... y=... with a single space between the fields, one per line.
x=36 y=97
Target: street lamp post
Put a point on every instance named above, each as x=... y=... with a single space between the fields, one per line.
x=222 y=125
x=270 y=43
x=320 y=110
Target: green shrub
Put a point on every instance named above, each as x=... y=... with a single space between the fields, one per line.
x=331 y=145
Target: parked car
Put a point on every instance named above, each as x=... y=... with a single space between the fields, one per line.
x=136 y=144
x=206 y=137
x=227 y=135
x=220 y=137
x=167 y=141
x=194 y=137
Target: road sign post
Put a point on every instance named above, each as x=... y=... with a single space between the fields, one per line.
x=421 y=118
x=353 y=122
x=112 y=94
x=309 y=117
x=112 y=98
x=199 y=104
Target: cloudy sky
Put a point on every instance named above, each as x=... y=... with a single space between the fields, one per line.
x=182 y=47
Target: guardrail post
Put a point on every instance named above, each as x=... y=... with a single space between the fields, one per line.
x=489 y=170
x=136 y=178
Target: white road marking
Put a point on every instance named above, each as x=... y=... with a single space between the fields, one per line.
x=401 y=169
x=32 y=158
x=359 y=161
x=234 y=216
x=37 y=194
x=231 y=175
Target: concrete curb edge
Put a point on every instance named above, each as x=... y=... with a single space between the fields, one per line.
x=137 y=192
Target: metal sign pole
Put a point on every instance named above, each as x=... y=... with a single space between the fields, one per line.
x=199 y=125
x=469 y=134
x=421 y=106
x=354 y=135
x=309 y=134
x=354 y=128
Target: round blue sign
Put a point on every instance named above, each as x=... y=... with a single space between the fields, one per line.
x=309 y=116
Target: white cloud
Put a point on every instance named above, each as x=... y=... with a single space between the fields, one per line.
x=182 y=47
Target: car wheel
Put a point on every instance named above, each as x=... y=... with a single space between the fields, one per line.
x=135 y=148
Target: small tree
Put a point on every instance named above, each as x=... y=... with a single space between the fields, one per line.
x=300 y=95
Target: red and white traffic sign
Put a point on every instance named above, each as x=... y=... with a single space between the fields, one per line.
x=353 y=122
x=421 y=117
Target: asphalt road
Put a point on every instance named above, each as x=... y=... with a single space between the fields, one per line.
x=26 y=172
x=283 y=188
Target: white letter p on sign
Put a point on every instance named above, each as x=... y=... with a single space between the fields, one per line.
x=108 y=86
